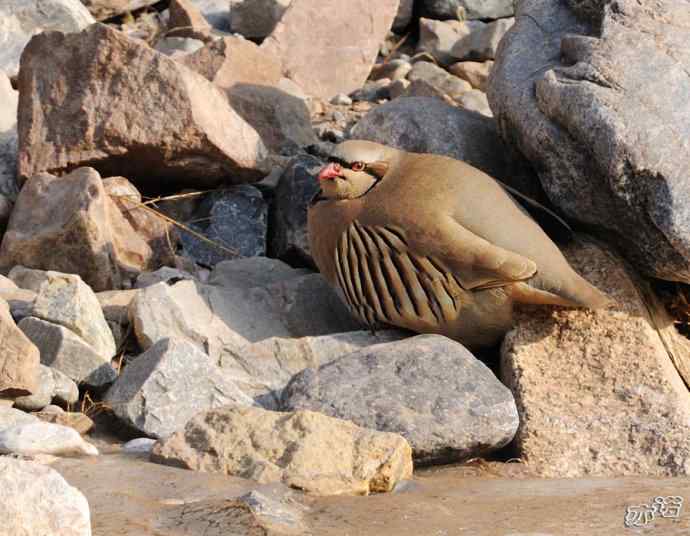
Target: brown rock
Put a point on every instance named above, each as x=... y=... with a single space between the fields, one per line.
x=305 y=450
x=332 y=54
x=115 y=304
x=597 y=392
x=475 y=72
x=19 y=358
x=69 y=224
x=98 y=98
x=80 y=422
x=187 y=21
x=250 y=78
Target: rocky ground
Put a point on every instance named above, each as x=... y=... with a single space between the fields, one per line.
x=170 y=361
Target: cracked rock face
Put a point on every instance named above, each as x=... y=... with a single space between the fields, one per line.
x=598 y=101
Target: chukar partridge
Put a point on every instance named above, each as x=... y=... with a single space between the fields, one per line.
x=433 y=245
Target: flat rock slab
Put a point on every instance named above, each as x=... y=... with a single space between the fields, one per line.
x=567 y=92
x=132 y=111
x=304 y=450
x=429 y=389
x=598 y=392
x=35 y=499
x=352 y=32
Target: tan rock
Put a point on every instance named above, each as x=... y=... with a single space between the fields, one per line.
x=69 y=224
x=475 y=72
x=19 y=358
x=21 y=301
x=327 y=55
x=304 y=450
x=115 y=304
x=132 y=111
x=78 y=421
x=187 y=21
x=597 y=392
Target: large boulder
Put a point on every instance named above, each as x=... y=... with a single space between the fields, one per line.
x=8 y=143
x=336 y=54
x=429 y=389
x=598 y=102
x=20 y=20
x=98 y=98
x=35 y=499
x=19 y=358
x=305 y=450
x=597 y=391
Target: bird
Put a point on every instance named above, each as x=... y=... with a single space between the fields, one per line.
x=431 y=244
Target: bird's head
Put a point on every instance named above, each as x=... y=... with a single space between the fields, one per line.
x=354 y=167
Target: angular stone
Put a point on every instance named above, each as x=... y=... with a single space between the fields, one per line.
x=163 y=275
x=43 y=396
x=441 y=9
x=107 y=9
x=8 y=138
x=217 y=319
x=475 y=101
x=177 y=47
x=352 y=33
x=21 y=20
x=19 y=358
x=237 y=221
x=297 y=186
x=439 y=78
x=141 y=115
x=252 y=272
x=482 y=41
x=44 y=438
x=35 y=499
x=393 y=70
x=487 y=9
x=70 y=224
x=438 y=37
x=65 y=351
x=404 y=16
x=115 y=304
x=304 y=450
x=66 y=390
x=475 y=72
x=256 y=18
x=263 y=369
x=420 y=88
x=572 y=107
x=186 y=20
x=597 y=392
x=77 y=421
x=167 y=385
x=20 y=301
x=429 y=389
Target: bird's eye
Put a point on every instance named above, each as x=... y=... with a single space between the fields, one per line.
x=358 y=166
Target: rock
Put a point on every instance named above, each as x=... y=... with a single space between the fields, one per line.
x=64 y=299
x=44 y=438
x=66 y=391
x=341 y=100
x=42 y=396
x=439 y=78
x=252 y=272
x=77 y=421
x=441 y=9
x=19 y=358
x=217 y=319
x=398 y=88
x=487 y=9
x=475 y=101
x=10 y=417
x=21 y=20
x=610 y=414
x=215 y=12
x=65 y=351
x=176 y=47
x=296 y=188
x=144 y=116
x=604 y=160
x=167 y=385
x=429 y=389
x=482 y=41
x=264 y=368
x=162 y=275
x=393 y=70
x=256 y=18
x=476 y=73
x=20 y=301
x=404 y=16
x=70 y=224
x=428 y=125
x=186 y=20
x=351 y=33
x=157 y=232
x=237 y=222
x=372 y=91
x=35 y=499
x=422 y=88
x=115 y=303
x=304 y=450
x=438 y=37
x=141 y=445
x=107 y=9
x=8 y=141
x=7 y=284
x=250 y=78
x=276 y=512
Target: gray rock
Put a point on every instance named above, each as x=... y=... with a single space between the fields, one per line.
x=44 y=438
x=438 y=37
x=68 y=353
x=428 y=125
x=277 y=512
x=256 y=18
x=167 y=385
x=177 y=46
x=372 y=91
x=475 y=101
x=296 y=188
x=20 y=20
x=429 y=389
x=487 y=9
x=252 y=272
x=35 y=499
x=140 y=445
x=238 y=220
x=482 y=41
x=441 y=9
x=393 y=70
x=572 y=107
x=439 y=78
x=8 y=138
x=166 y=274
x=43 y=396
x=404 y=16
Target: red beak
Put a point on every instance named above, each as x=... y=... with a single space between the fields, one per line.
x=331 y=171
